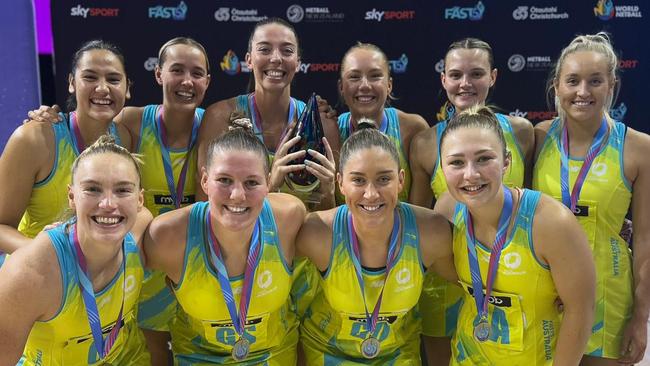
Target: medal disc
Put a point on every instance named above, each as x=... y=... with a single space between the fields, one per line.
x=482 y=331
x=370 y=347
x=240 y=349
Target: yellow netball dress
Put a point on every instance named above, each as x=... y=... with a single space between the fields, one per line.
x=602 y=205
x=338 y=324
x=305 y=275
x=440 y=300
x=206 y=332
x=50 y=196
x=389 y=126
x=67 y=339
x=168 y=183
x=522 y=318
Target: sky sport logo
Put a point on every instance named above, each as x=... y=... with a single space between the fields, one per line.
x=457 y=12
x=79 y=11
x=606 y=10
x=380 y=15
x=169 y=12
x=535 y=13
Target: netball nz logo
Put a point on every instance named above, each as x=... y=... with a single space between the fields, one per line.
x=475 y=13
x=295 y=13
x=151 y=63
x=605 y=10
x=516 y=63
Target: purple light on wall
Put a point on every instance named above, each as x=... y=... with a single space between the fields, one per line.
x=43 y=26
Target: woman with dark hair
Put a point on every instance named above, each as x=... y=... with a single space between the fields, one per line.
x=34 y=185
x=274 y=57
x=165 y=135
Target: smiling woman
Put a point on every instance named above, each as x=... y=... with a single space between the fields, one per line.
x=70 y=297
x=370 y=253
x=598 y=167
x=34 y=186
x=274 y=58
x=467 y=78
x=229 y=260
x=365 y=85
x=521 y=246
x=166 y=135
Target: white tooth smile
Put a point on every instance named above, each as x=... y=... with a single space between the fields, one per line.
x=275 y=73
x=185 y=94
x=101 y=101
x=581 y=103
x=371 y=208
x=235 y=209
x=107 y=220
x=365 y=99
x=472 y=188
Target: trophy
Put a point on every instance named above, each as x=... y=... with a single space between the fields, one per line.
x=310 y=129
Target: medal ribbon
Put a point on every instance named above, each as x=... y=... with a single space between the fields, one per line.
x=597 y=145
x=176 y=191
x=257 y=119
x=238 y=320
x=500 y=239
x=102 y=345
x=77 y=139
x=356 y=261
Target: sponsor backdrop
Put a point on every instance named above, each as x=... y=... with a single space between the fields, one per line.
x=526 y=35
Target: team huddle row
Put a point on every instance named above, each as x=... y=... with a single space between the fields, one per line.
x=128 y=228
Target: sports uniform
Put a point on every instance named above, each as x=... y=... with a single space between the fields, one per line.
x=604 y=201
x=204 y=332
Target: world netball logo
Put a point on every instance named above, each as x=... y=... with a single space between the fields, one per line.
x=605 y=9
x=230 y=63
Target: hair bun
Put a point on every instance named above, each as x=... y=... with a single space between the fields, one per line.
x=240 y=122
x=365 y=122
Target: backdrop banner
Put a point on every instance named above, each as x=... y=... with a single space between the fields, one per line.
x=526 y=36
